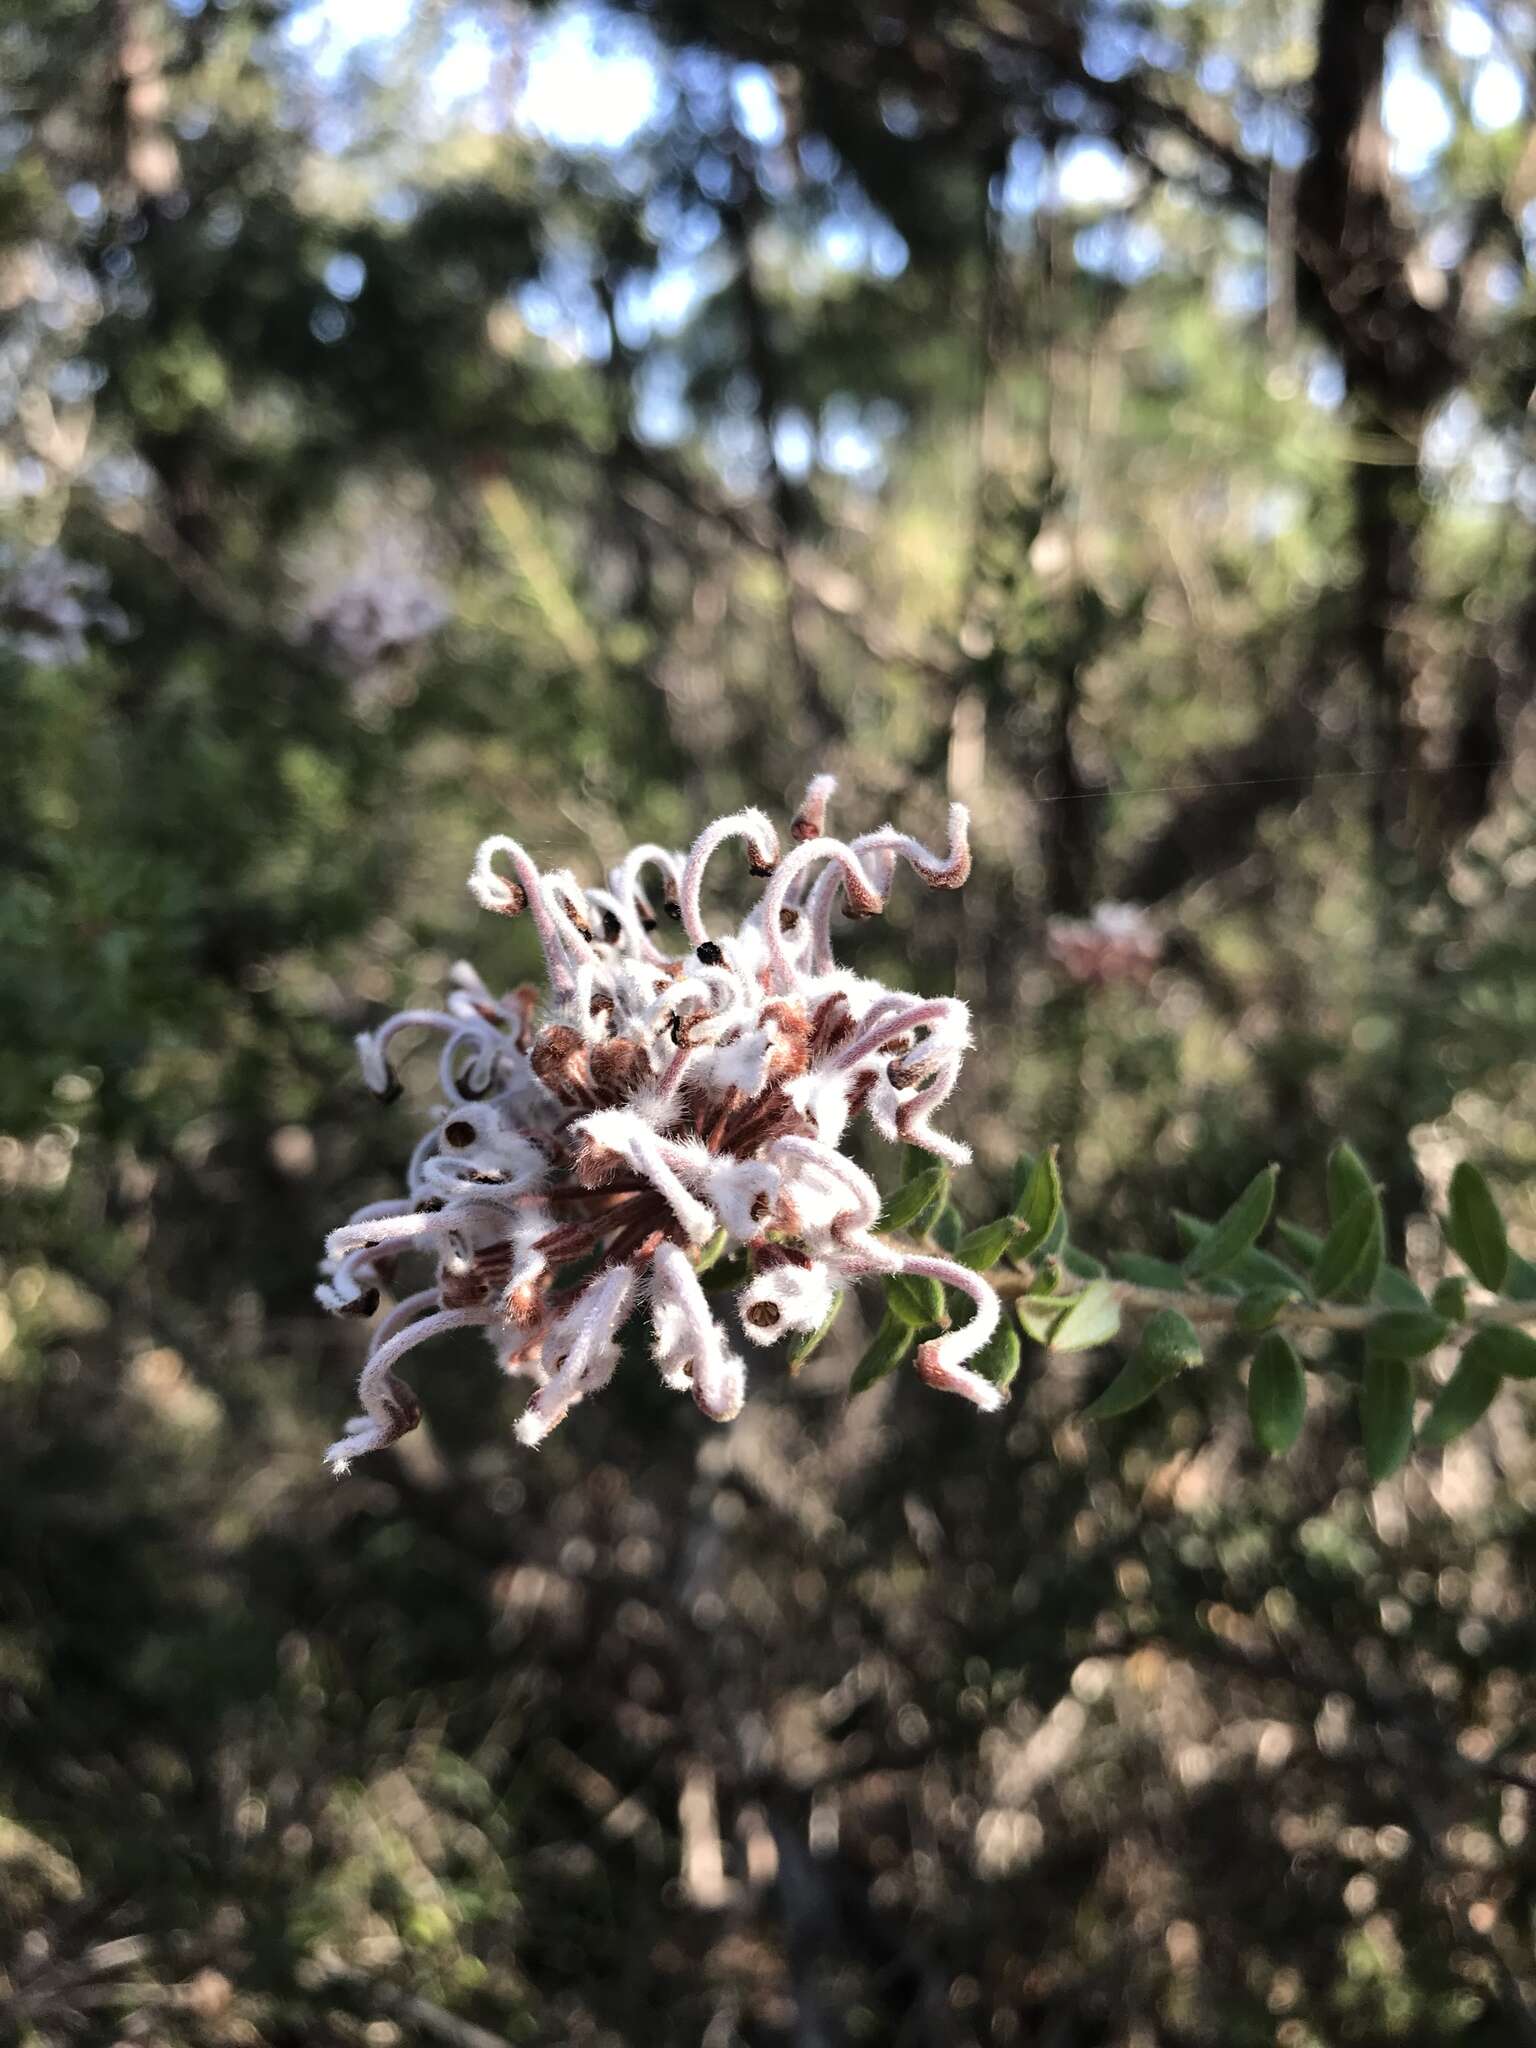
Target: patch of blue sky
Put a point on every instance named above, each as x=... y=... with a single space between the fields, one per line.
x=1414 y=111
x=1092 y=173
x=328 y=34
x=756 y=105
x=1497 y=99
x=1468 y=32
x=591 y=81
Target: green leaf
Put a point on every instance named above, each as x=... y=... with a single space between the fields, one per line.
x=1168 y=1346
x=1386 y=1415
x=947 y=1228
x=1462 y=1400
x=892 y=1342
x=1193 y=1232
x=805 y=1343
x=998 y=1360
x=1277 y=1394
x=1081 y=1265
x=1394 y=1289
x=981 y=1249
x=1405 y=1333
x=1349 y=1182
x=1474 y=1230
x=1450 y=1299
x=1263 y=1269
x=1171 y=1342
x=1303 y=1245
x=908 y=1202
x=1348 y=1179
x=1520 y=1280
x=1226 y=1241
x=1039 y=1318
x=1092 y=1317
x=1037 y=1207
x=1144 y=1272
x=1258 y=1308
x=1351 y=1250
x=914 y=1299
x=1137 y=1381
x=1510 y=1352
x=712 y=1252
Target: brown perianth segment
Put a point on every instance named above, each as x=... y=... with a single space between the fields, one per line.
x=831 y=1025
x=566 y=1241
x=766 y=1257
x=859 y=1093
x=559 y=1058
x=594 y=1165
x=618 y=1067
x=525 y=998
x=757 y=1123
x=721 y=1114
x=635 y=1245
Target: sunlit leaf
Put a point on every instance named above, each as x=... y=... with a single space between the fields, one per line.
x=1093 y=1317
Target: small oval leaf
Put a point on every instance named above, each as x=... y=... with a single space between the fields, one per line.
x=1277 y=1394
x=1037 y=1207
x=914 y=1299
x=892 y=1342
x=1227 y=1240
x=807 y=1341
x=981 y=1249
x=1386 y=1415
x=1351 y=1249
x=1171 y=1342
x=1475 y=1230
x=1091 y=1318
x=1142 y=1271
x=1394 y=1289
x=1510 y=1352
x=1348 y=1179
x=904 y=1205
x=1461 y=1401
x=1450 y=1299
x=998 y=1360
x=1259 y=1307
x=1303 y=1245
x=1405 y=1333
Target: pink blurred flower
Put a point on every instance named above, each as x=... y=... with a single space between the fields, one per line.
x=1118 y=943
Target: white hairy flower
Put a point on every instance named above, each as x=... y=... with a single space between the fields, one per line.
x=599 y=1140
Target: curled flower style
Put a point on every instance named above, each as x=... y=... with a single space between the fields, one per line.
x=599 y=1143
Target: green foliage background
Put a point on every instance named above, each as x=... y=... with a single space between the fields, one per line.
x=1091 y=412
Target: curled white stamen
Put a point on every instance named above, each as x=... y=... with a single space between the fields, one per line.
x=762 y=849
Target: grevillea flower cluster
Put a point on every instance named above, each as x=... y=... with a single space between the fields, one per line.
x=603 y=1138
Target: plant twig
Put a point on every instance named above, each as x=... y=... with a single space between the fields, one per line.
x=1222 y=1309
